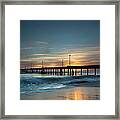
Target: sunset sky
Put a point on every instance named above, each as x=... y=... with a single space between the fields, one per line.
x=51 y=41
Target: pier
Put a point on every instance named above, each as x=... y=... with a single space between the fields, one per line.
x=63 y=70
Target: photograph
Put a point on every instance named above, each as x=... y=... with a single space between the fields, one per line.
x=59 y=59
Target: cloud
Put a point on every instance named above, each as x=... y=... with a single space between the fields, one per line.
x=39 y=54
x=42 y=43
x=27 y=48
x=79 y=56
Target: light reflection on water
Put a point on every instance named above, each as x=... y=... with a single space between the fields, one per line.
x=76 y=95
x=85 y=94
x=79 y=93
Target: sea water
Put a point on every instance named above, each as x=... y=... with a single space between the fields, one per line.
x=36 y=83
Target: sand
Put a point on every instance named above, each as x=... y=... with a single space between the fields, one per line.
x=75 y=93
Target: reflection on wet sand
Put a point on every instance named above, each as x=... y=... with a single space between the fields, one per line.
x=78 y=94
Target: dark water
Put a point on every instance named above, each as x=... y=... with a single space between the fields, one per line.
x=36 y=83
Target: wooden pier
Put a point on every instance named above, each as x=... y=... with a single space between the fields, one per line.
x=69 y=70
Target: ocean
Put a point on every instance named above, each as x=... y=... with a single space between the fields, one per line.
x=31 y=84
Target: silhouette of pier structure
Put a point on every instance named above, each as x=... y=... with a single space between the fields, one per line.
x=63 y=70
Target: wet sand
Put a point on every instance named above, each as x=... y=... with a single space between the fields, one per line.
x=75 y=93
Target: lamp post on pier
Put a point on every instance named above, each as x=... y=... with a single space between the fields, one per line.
x=69 y=60
x=62 y=62
x=42 y=63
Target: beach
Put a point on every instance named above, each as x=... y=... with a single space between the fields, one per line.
x=36 y=87
x=77 y=93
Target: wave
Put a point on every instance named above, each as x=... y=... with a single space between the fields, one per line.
x=36 y=83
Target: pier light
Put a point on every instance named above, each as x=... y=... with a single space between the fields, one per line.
x=62 y=63
x=42 y=63
x=69 y=59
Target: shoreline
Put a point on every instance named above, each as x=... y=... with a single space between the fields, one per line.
x=75 y=93
x=39 y=87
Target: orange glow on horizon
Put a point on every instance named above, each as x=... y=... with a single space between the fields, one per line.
x=76 y=59
x=54 y=65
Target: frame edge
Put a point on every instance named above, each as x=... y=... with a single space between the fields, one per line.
x=2 y=76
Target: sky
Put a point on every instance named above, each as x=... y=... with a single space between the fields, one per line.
x=52 y=41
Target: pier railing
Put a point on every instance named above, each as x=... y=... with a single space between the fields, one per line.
x=69 y=70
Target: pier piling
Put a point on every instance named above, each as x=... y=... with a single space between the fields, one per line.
x=69 y=70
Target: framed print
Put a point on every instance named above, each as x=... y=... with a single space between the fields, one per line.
x=60 y=59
